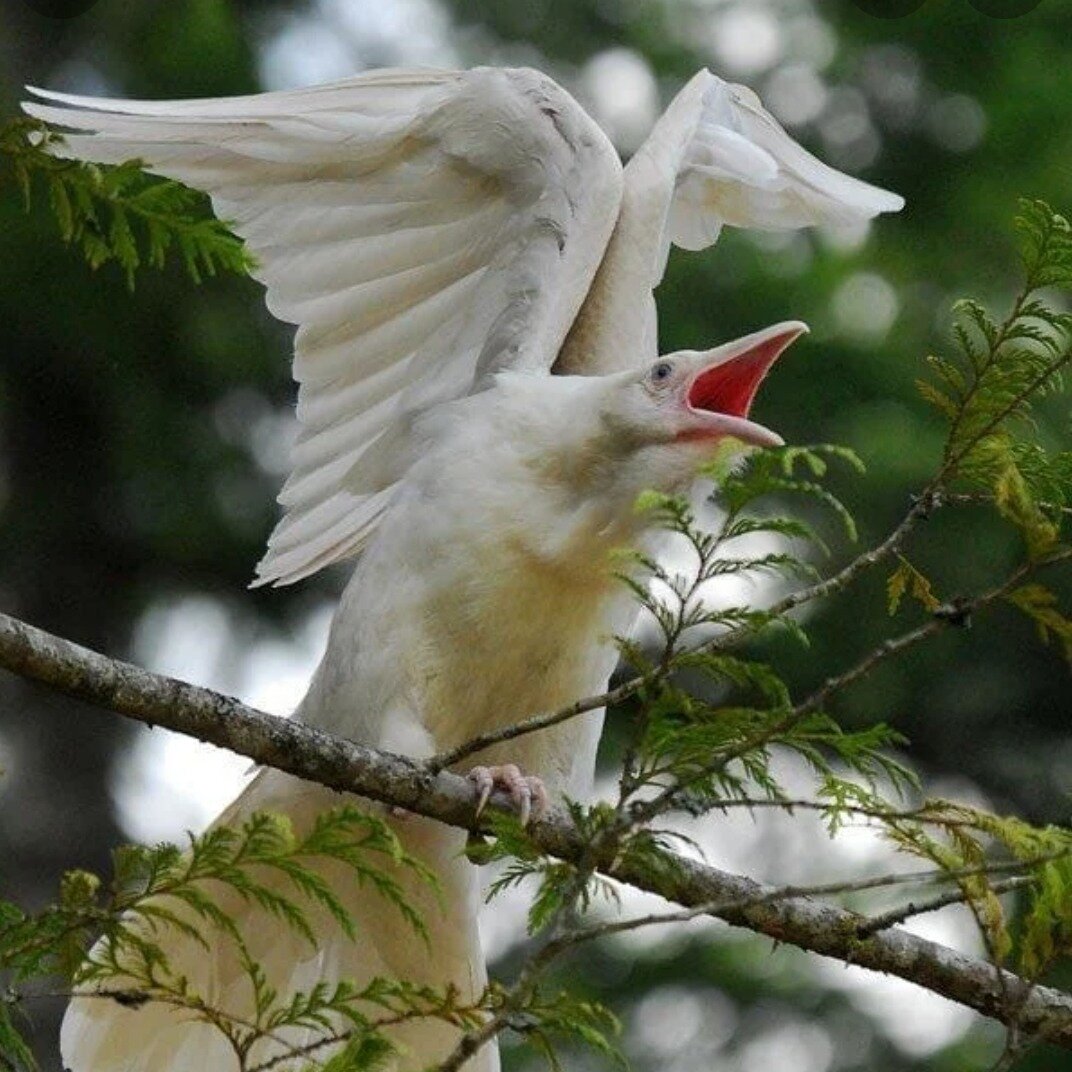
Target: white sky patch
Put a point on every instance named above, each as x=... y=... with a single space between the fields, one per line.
x=850 y=140
x=791 y=251
x=168 y=784
x=865 y=306
x=845 y=238
x=679 y=1029
x=743 y=39
x=188 y=638
x=305 y=52
x=792 y=1044
x=917 y=1021
x=618 y=87
x=810 y=39
x=893 y=77
x=413 y=32
x=245 y=418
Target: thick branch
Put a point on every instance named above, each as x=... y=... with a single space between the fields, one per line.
x=343 y=765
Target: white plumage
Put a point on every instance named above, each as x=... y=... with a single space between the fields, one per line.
x=443 y=241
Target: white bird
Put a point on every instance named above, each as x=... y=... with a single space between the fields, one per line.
x=445 y=240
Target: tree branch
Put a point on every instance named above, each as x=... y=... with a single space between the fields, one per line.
x=343 y=765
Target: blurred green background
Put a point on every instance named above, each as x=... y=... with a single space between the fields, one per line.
x=143 y=438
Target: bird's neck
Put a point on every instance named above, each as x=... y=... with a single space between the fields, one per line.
x=573 y=493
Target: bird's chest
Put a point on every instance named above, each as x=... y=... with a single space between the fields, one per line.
x=509 y=637
x=499 y=608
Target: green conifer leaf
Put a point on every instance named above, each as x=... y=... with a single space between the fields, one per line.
x=906 y=578
x=1040 y=605
x=118 y=213
x=1013 y=498
x=897 y=585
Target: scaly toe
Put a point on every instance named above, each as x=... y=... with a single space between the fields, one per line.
x=529 y=795
x=484 y=782
x=541 y=803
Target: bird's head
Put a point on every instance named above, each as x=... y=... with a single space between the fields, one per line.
x=689 y=407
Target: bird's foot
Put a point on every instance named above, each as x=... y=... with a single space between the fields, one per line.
x=528 y=793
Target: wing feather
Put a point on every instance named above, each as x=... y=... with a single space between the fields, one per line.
x=367 y=303
x=740 y=167
x=313 y=267
x=423 y=229
x=331 y=359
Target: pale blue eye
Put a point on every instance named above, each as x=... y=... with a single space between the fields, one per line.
x=661 y=371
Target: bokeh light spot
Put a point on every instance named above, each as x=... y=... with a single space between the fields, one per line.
x=795 y=94
x=957 y=123
x=746 y=39
x=620 y=89
x=865 y=306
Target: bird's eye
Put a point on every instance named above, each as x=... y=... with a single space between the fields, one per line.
x=660 y=373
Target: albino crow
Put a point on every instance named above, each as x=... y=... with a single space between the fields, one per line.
x=481 y=401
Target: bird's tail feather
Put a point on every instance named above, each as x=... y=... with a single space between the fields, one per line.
x=101 y=1034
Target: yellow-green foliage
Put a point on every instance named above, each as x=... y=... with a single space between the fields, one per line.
x=987 y=392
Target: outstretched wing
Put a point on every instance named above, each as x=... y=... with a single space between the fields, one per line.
x=740 y=167
x=715 y=157
x=423 y=228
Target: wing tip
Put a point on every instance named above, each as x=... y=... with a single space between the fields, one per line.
x=311 y=553
x=272 y=572
x=72 y=101
x=894 y=201
x=874 y=200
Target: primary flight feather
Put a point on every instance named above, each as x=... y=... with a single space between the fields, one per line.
x=445 y=241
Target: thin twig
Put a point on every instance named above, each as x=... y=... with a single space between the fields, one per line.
x=826 y=889
x=979 y=498
x=942 y=900
x=451 y=757
x=922 y=506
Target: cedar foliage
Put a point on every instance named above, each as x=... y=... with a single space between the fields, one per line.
x=119 y=214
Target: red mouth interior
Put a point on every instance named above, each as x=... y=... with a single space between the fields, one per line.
x=731 y=387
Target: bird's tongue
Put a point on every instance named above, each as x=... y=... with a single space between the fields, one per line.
x=730 y=386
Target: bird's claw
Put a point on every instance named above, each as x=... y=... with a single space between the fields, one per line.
x=528 y=793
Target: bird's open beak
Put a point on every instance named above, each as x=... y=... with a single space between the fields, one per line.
x=720 y=395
